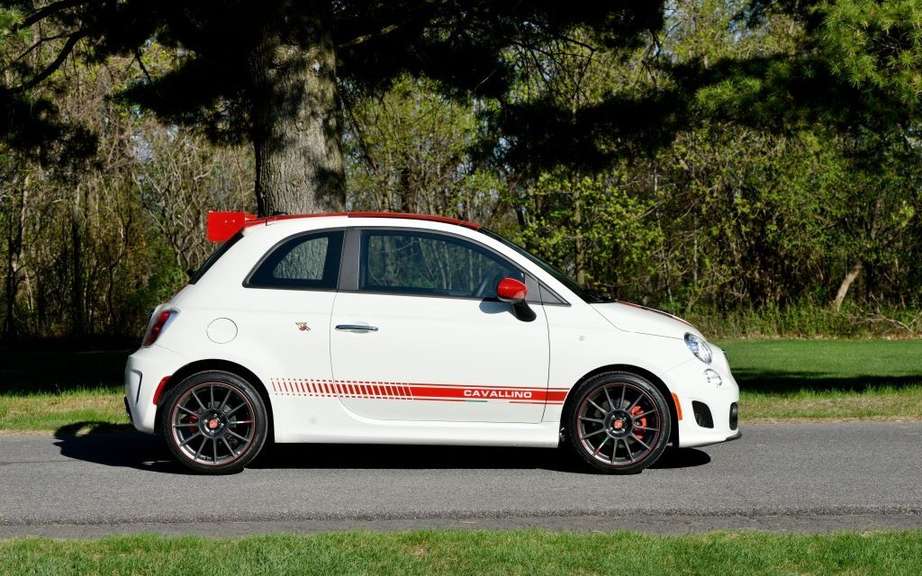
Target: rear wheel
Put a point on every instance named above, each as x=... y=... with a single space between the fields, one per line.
x=215 y=422
x=619 y=423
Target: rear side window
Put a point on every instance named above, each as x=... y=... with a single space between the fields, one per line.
x=307 y=261
x=414 y=262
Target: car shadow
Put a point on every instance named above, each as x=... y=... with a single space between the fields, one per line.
x=122 y=446
x=117 y=445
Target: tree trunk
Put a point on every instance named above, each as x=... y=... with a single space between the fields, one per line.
x=296 y=125
x=13 y=261
x=845 y=285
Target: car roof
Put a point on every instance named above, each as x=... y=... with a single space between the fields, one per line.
x=223 y=225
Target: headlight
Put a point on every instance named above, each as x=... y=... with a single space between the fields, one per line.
x=698 y=347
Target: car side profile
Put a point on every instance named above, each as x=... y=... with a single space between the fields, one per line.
x=408 y=329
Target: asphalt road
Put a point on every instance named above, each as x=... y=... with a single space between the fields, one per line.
x=798 y=477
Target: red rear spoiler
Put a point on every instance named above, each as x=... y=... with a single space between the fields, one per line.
x=222 y=225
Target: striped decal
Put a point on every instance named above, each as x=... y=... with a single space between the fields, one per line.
x=381 y=390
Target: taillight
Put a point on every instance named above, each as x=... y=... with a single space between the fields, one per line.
x=157 y=326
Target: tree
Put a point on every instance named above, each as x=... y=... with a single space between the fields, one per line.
x=856 y=72
x=269 y=73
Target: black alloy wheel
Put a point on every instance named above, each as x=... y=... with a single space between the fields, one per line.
x=620 y=423
x=215 y=422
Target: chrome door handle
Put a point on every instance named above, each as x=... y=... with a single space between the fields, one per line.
x=357 y=327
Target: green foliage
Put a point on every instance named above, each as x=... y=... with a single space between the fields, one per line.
x=875 y=46
x=591 y=226
x=409 y=150
x=735 y=165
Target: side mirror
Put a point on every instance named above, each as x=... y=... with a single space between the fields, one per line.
x=511 y=290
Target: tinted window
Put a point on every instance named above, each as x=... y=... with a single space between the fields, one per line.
x=429 y=264
x=307 y=261
x=588 y=295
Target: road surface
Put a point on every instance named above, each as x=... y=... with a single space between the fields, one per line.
x=797 y=477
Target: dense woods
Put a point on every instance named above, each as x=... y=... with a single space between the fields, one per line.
x=718 y=158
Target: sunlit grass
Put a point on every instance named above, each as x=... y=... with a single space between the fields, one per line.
x=529 y=553
x=50 y=411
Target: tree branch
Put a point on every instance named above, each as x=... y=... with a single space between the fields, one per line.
x=46 y=11
x=58 y=61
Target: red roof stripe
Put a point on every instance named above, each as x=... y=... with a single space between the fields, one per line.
x=223 y=225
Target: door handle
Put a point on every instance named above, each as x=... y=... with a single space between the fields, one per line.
x=356 y=328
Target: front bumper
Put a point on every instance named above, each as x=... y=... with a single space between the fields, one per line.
x=707 y=408
x=143 y=372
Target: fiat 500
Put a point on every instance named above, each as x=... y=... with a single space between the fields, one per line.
x=410 y=329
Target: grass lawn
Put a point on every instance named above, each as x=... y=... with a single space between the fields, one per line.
x=780 y=380
x=51 y=411
x=816 y=379
x=453 y=552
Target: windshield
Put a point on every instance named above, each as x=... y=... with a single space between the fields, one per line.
x=587 y=294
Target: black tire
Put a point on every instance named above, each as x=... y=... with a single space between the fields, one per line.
x=214 y=422
x=618 y=423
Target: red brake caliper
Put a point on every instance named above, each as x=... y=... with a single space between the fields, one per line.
x=639 y=422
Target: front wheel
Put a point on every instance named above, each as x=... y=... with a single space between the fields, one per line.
x=620 y=423
x=215 y=422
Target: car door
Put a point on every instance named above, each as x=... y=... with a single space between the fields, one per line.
x=422 y=336
x=288 y=301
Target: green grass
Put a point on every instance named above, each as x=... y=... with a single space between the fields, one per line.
x=52 y=411
x=530 y=553
x=821 y=379
x=780 y=380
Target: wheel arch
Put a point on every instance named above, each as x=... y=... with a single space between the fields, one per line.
x=224 y=366
x=637 y=370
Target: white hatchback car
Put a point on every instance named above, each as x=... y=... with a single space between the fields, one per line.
x=409 y=329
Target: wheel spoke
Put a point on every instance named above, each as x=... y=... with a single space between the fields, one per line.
x=235 y=410
x=199 y=451
x=226 y=398
x=647 y=428
x=597 y=407
x=599 y=447
x=642 y=414
x=591 y=434
x=623 y=391
x=187 y=411
x=194 y=395
x=608 y=398
x=226 y=443
x=214 y=449
x=190 y=439
x=630 y=455
x=642 y=443
x=634 y=403
x=185 y=425
x=614 y=450
x=238 y=436
x=596 y=420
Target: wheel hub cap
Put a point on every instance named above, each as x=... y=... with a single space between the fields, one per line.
x=212 y=424
x=620 y=423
